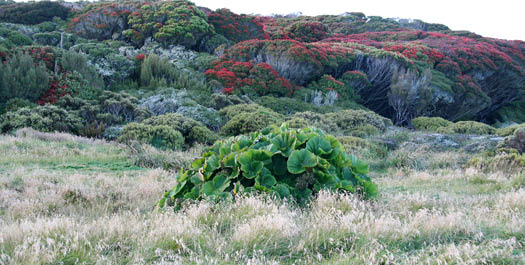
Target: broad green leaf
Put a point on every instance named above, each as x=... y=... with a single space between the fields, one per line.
x=283 y=143
x=266 y=179
x=300 y=160
x=319 y=146
x=359 y=166
x=250 y=167
x=278 y=165
x=282 y=190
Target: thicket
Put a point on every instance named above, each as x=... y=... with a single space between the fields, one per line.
x=21 y=78
x=246 y=118
x=32 y=13
x=160 y=131
x=287 y=163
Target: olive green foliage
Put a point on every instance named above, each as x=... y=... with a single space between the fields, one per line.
x=219 y=100
x=192 y=131
x=287 y=163
x=33 y=12
x=440 y=125
x=245 y=118
x=159 y=136
x=10 y=39
x=48 y=118
x=356 y=145
x=346 y=122
x=517 y=140
x=468 y=127
x=71 y=61
x=160 y=72
x=116 y=108
x=21 y=78
x=169 y=22
x=286 y=105
x=18 y=103
x=503 y=159
x=509 y=130
x=430 y=123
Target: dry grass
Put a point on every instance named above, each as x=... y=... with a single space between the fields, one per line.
x=67 y=202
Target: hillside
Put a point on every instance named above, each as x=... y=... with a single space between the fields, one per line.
x=162 y=132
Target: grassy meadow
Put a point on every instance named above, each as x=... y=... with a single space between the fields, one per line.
x=70 y=200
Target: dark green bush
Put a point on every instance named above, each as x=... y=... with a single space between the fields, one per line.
x=32 y=13
x=234 y=110
x=430 y=123
x=249 y=122
x=193 y=131
x=159 y=136
x=20 y=78
x=287 y=163
x=48 y=118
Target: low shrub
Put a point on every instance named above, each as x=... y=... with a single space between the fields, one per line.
x=517 y=140
x=470 y=127
x=504 y=159
x=145 y=155
x=48 y=118
x=193 y=131
x=234 y=110
x=159 y=136
x=249 y=122
x=349 y=120
x=430 y=123
x=508 y=131
x=287 y=163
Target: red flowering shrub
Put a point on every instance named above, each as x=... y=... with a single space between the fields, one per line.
x=307 y=31
x=236 y=27
x=140 y=57
x=260 y=77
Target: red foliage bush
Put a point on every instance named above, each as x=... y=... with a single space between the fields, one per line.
x=260 y=77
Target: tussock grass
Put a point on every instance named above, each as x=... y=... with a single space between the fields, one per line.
x=73 y=214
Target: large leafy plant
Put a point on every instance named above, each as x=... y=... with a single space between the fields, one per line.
x=288 y=163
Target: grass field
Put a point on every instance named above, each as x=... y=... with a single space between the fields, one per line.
x=66 y=200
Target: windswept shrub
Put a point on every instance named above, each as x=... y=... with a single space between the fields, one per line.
x=430 y=123
x=32 y=13
x=159 y=136
x=504 y=159
x=468 y=127
x=234 y=110
x=249 y=122
x=193 y=131
x=349 y=120
x=509 y=131
x=287 y=163
x=48 y=118
x=517 y=140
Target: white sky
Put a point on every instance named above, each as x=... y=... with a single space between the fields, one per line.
x=504 y=19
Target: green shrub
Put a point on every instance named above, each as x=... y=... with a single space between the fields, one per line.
x=287 y=106
x=33 y=12
x=517 y=140
x=220 y=100
x=234 y=110
x=504 y=159
x=160 y=72
x=193 y=131
x=21 y=78
x=471 y=127
x=430 y=123
x=508 y=131
x=249 y=122
x=17 y=103
x=316 y=120
x=349 y=120
x=159 y=136
x=48 y=118
x=288 y=163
